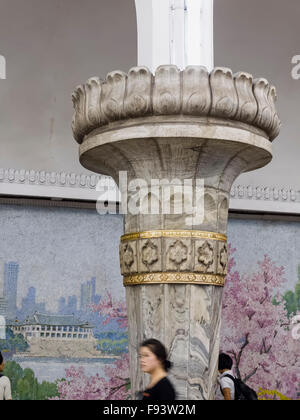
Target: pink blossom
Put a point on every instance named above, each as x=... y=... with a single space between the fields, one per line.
x=78 y=386
x=256 y=332
x=112 y=309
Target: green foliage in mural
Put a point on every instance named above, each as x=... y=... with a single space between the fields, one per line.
x=292 y=299
x=25 y=386
x=13 y=343
x=114 y=343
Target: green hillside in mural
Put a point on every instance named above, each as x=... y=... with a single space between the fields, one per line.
x=25 y=386
x=13 y=343
x=292 y=298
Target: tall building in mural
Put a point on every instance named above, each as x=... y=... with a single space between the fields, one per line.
x=67 y=307
x=11 y=272
x=71 y=307
x=61 y=305
x=3 y=305
x=29 y=304
x=88 y=294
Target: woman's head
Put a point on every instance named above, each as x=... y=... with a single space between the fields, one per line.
x=153 y=355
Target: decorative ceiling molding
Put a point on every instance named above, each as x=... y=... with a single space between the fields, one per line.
x=265 y=199
x=31 y=183
x=71 y=186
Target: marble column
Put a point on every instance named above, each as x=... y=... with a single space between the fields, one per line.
x=175 y=126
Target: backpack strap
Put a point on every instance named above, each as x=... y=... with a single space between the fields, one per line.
x=230 y=377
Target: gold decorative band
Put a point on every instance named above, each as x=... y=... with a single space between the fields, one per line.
x=175 y=278
x=174 y=234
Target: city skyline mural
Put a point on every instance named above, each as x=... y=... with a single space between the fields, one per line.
x=55 y=255
x=28 y=303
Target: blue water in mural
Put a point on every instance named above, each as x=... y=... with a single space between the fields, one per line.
x=51 y=369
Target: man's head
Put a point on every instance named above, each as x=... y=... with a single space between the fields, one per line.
x=1 y=362
x=225 y=362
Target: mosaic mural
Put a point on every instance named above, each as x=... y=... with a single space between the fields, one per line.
x=60 y=277
x=62 y=297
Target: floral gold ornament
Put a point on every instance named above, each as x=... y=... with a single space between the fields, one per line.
x=173 y=251
x=149 y=253
x=174 y=234
x=178 y=253
x=223 y=259
x=206 y=255
x=128 y=256
x=175 y=278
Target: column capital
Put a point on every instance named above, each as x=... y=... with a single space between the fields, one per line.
x=170 y=92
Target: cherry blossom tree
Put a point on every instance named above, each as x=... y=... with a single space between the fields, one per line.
x=78 y=386
x=256 y=330
x=119 y=382
x=112 y=309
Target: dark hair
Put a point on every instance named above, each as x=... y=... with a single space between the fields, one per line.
x=159 y=350
x=1 y=358
x=225 y=361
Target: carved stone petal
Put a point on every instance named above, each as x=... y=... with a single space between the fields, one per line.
x=225 y=100
x=196 y=91
x=171 y=92
x=264 y=118
x=138 y=97
x=113 y=92
x=79 y=121
x=93 y=96
x=247 y=103
x=276 y=124
x=167 y=91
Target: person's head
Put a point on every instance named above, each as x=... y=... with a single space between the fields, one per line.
x=225 y=362
x=1 y=362
x=153 y=356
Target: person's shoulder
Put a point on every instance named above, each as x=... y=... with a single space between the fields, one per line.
x=227 y=380
x=167 y=387
x=4 y=379
x=168 y=381
x=165 y=382
x=229 y=375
